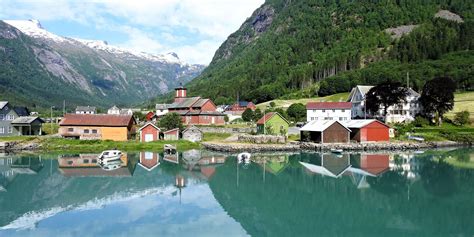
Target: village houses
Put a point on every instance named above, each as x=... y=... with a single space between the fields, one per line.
x=16 y=121
x=86 y=110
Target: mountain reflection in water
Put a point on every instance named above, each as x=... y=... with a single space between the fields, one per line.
x=200 y=193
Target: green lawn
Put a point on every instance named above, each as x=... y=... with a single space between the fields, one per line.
x=463 y=101
x=57 y=144
x=217 y=137
x=286 y=103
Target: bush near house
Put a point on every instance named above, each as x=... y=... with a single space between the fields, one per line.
x=461 y=118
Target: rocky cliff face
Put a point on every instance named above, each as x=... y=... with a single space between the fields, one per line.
x=102 y=73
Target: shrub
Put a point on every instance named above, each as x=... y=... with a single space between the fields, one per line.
x=420 y=122
x=461 y=118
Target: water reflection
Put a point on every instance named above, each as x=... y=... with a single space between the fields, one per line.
x=280 y=194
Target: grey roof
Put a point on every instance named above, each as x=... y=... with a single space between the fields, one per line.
x=21 y=111
x=86 y=108
x=320 y=125
x=26 y=120
x=162 y=106
x=3 y=103
x=184 y=102
x=200 y=102
x=413 y=93
x=191 y=128
x=359 y=123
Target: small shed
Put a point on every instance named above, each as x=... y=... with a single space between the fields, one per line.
x=192 y=134
x=172 y=134
x=149 y=132
x=368 y=130
x=325 y=131
x=273 y=123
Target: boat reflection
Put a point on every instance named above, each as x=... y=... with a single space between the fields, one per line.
x=83 y=165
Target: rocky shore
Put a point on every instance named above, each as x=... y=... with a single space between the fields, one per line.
x=18 y=146
x=306 y=146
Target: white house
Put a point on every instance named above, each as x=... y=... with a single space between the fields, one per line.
x=338 y=111
x=86 y=110
x=161 y=109
x=113 y=110
x=403 y=112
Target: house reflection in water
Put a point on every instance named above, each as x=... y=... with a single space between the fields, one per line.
x=203 y=162
x=273 y=163
x=149 y=160
x=10 y=167
x=86 y=165
x=358 y=168
x=406 y=164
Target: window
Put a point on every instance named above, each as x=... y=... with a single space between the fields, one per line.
x=86 y=130
x=333 y=110
x=85 y=161
x=2 y=130
x=343 y=110
x=94 y=131
x=340 y=118
x=2 y=117
x=10 y=117
x=70 y=129
x=324 y=110
x=10 y=129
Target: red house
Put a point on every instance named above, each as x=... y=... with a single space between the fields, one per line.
x=149 y=132
x=241 y=106
x=368 y=130
x=150 y=116
x=195 y=110
x=172 y=134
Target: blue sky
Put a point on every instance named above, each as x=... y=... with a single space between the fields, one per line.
x=193 y=29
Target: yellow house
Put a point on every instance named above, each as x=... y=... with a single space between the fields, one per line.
x=97 y=127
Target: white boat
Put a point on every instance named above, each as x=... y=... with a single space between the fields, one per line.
x=243 y=157
x=110 y=155
x=169 y=149
x=336 y=151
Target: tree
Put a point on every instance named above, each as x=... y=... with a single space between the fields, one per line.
x=385 y=95
x=461 y=118
x=171 y=121
x=247 y=115
x=226 y=118
x=437 y=97
x=139 y=116
x=297 y=112
x=257 y=114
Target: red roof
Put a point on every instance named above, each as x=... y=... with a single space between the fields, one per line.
x=107 y=120
x=265 y=118
x=329 y=105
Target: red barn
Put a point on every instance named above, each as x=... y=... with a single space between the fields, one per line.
x=368 y=130
x=149 y=132
x=195 y=110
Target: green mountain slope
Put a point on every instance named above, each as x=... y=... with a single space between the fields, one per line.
x=288 y=46
x=41 y=71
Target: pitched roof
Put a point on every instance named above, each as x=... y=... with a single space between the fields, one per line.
x=162 y=106
x=86 y=108
x=170 y=131
x=114 y=108
x=413 y=93
x=200 y=102
x=364 y=89
x=359 y=123
x=3 y=103
x=329 y=105
x=108 y=120
x=26 y=120
x=192 y=127
x=320 y=125
x=266 y=117
x=147 y=124
x=184 y=103
x=21 y=111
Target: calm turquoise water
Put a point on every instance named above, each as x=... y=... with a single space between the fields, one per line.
x=208 y=194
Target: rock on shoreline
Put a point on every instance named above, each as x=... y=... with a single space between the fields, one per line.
x=307 y=146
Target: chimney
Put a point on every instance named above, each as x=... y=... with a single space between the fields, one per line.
x=180 y=94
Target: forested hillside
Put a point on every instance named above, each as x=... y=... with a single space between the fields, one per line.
x=325 y=47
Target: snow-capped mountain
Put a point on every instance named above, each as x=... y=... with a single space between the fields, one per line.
x=83 y=71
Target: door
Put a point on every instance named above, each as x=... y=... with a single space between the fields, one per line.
x=213 y=120
x=148 y=137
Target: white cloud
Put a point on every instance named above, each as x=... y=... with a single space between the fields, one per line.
x=149 y=24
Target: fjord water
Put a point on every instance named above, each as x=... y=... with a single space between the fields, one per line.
x=198 y=193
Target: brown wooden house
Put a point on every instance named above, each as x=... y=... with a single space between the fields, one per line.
x=325 y=131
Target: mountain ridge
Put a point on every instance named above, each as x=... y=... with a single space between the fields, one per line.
x=94 y=73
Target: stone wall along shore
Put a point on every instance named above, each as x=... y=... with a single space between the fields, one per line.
x=262 y=139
